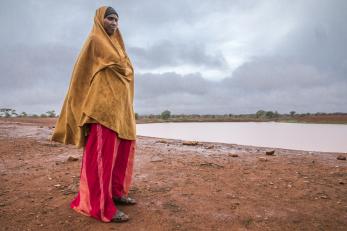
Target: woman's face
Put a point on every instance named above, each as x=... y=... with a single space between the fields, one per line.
x=111 y=24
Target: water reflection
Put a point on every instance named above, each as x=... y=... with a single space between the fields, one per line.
x=311 y=137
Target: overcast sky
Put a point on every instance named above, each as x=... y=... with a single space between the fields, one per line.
x=190 y=56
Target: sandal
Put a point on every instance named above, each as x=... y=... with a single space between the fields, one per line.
x=120 y=217
x=124 y=200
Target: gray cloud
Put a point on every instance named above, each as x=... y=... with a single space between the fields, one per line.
x=189 y=56
x=168 y=53
x=254 y=86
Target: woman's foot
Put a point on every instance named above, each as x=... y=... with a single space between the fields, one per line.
x=120 y=217
x=124 y=200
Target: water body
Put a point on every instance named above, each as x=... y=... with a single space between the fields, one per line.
x=309 y=137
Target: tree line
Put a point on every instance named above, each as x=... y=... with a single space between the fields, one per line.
x=260 y=114
x=9 y=112
x=166 y=114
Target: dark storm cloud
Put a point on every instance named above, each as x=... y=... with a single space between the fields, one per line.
x=27 y=66
x=168 y=53
x=273 y=89
x=320 y=37
x=150 y=85
x=273 y=55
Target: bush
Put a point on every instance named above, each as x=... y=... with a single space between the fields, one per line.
x=165 y=114
x=260 y=113
x=269 y=114
x=50 y=113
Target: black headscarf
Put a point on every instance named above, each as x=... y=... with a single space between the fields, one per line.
x=109 y=11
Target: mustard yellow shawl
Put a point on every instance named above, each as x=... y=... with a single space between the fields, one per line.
x=101 y=88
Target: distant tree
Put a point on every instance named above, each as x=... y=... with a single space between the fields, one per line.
x=14 y=113
x=269 y=114
x=292 y=113
x=5 y=112
x=50 y=113
x=43 y=115
x=276 y=114
x=260 y=113
x=165 y=114
x=23 y=114
x=136 y=116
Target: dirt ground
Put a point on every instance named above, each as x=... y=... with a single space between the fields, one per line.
x=207 y=186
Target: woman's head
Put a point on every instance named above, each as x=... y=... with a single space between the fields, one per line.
x=110 y=21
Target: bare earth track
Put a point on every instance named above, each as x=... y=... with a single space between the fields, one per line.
x=207 y=186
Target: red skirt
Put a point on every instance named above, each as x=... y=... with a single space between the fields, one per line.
x=106 y=172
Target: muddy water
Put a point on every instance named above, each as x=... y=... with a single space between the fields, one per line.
x=310 y=137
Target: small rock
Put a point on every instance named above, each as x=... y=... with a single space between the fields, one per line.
x=2 y=205
x=341 y=157
x=233 y=155
x=162 y=141
x=210 y=147
x=57 y=185
x=214 y=165
x=324 y=196
x=341 y=182
x=262 y=159
x=191 y=143
x=72 y=158
x=270 y=153
x=156 y=159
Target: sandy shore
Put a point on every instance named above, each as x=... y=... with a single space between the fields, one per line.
x=208 y=186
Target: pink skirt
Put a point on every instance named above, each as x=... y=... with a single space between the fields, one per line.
x=106 y=172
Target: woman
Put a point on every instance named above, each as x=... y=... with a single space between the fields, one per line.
x=98 y=114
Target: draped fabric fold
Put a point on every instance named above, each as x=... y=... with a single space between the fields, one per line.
x=98 y=115
x=106 y=173
x=101 y=89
